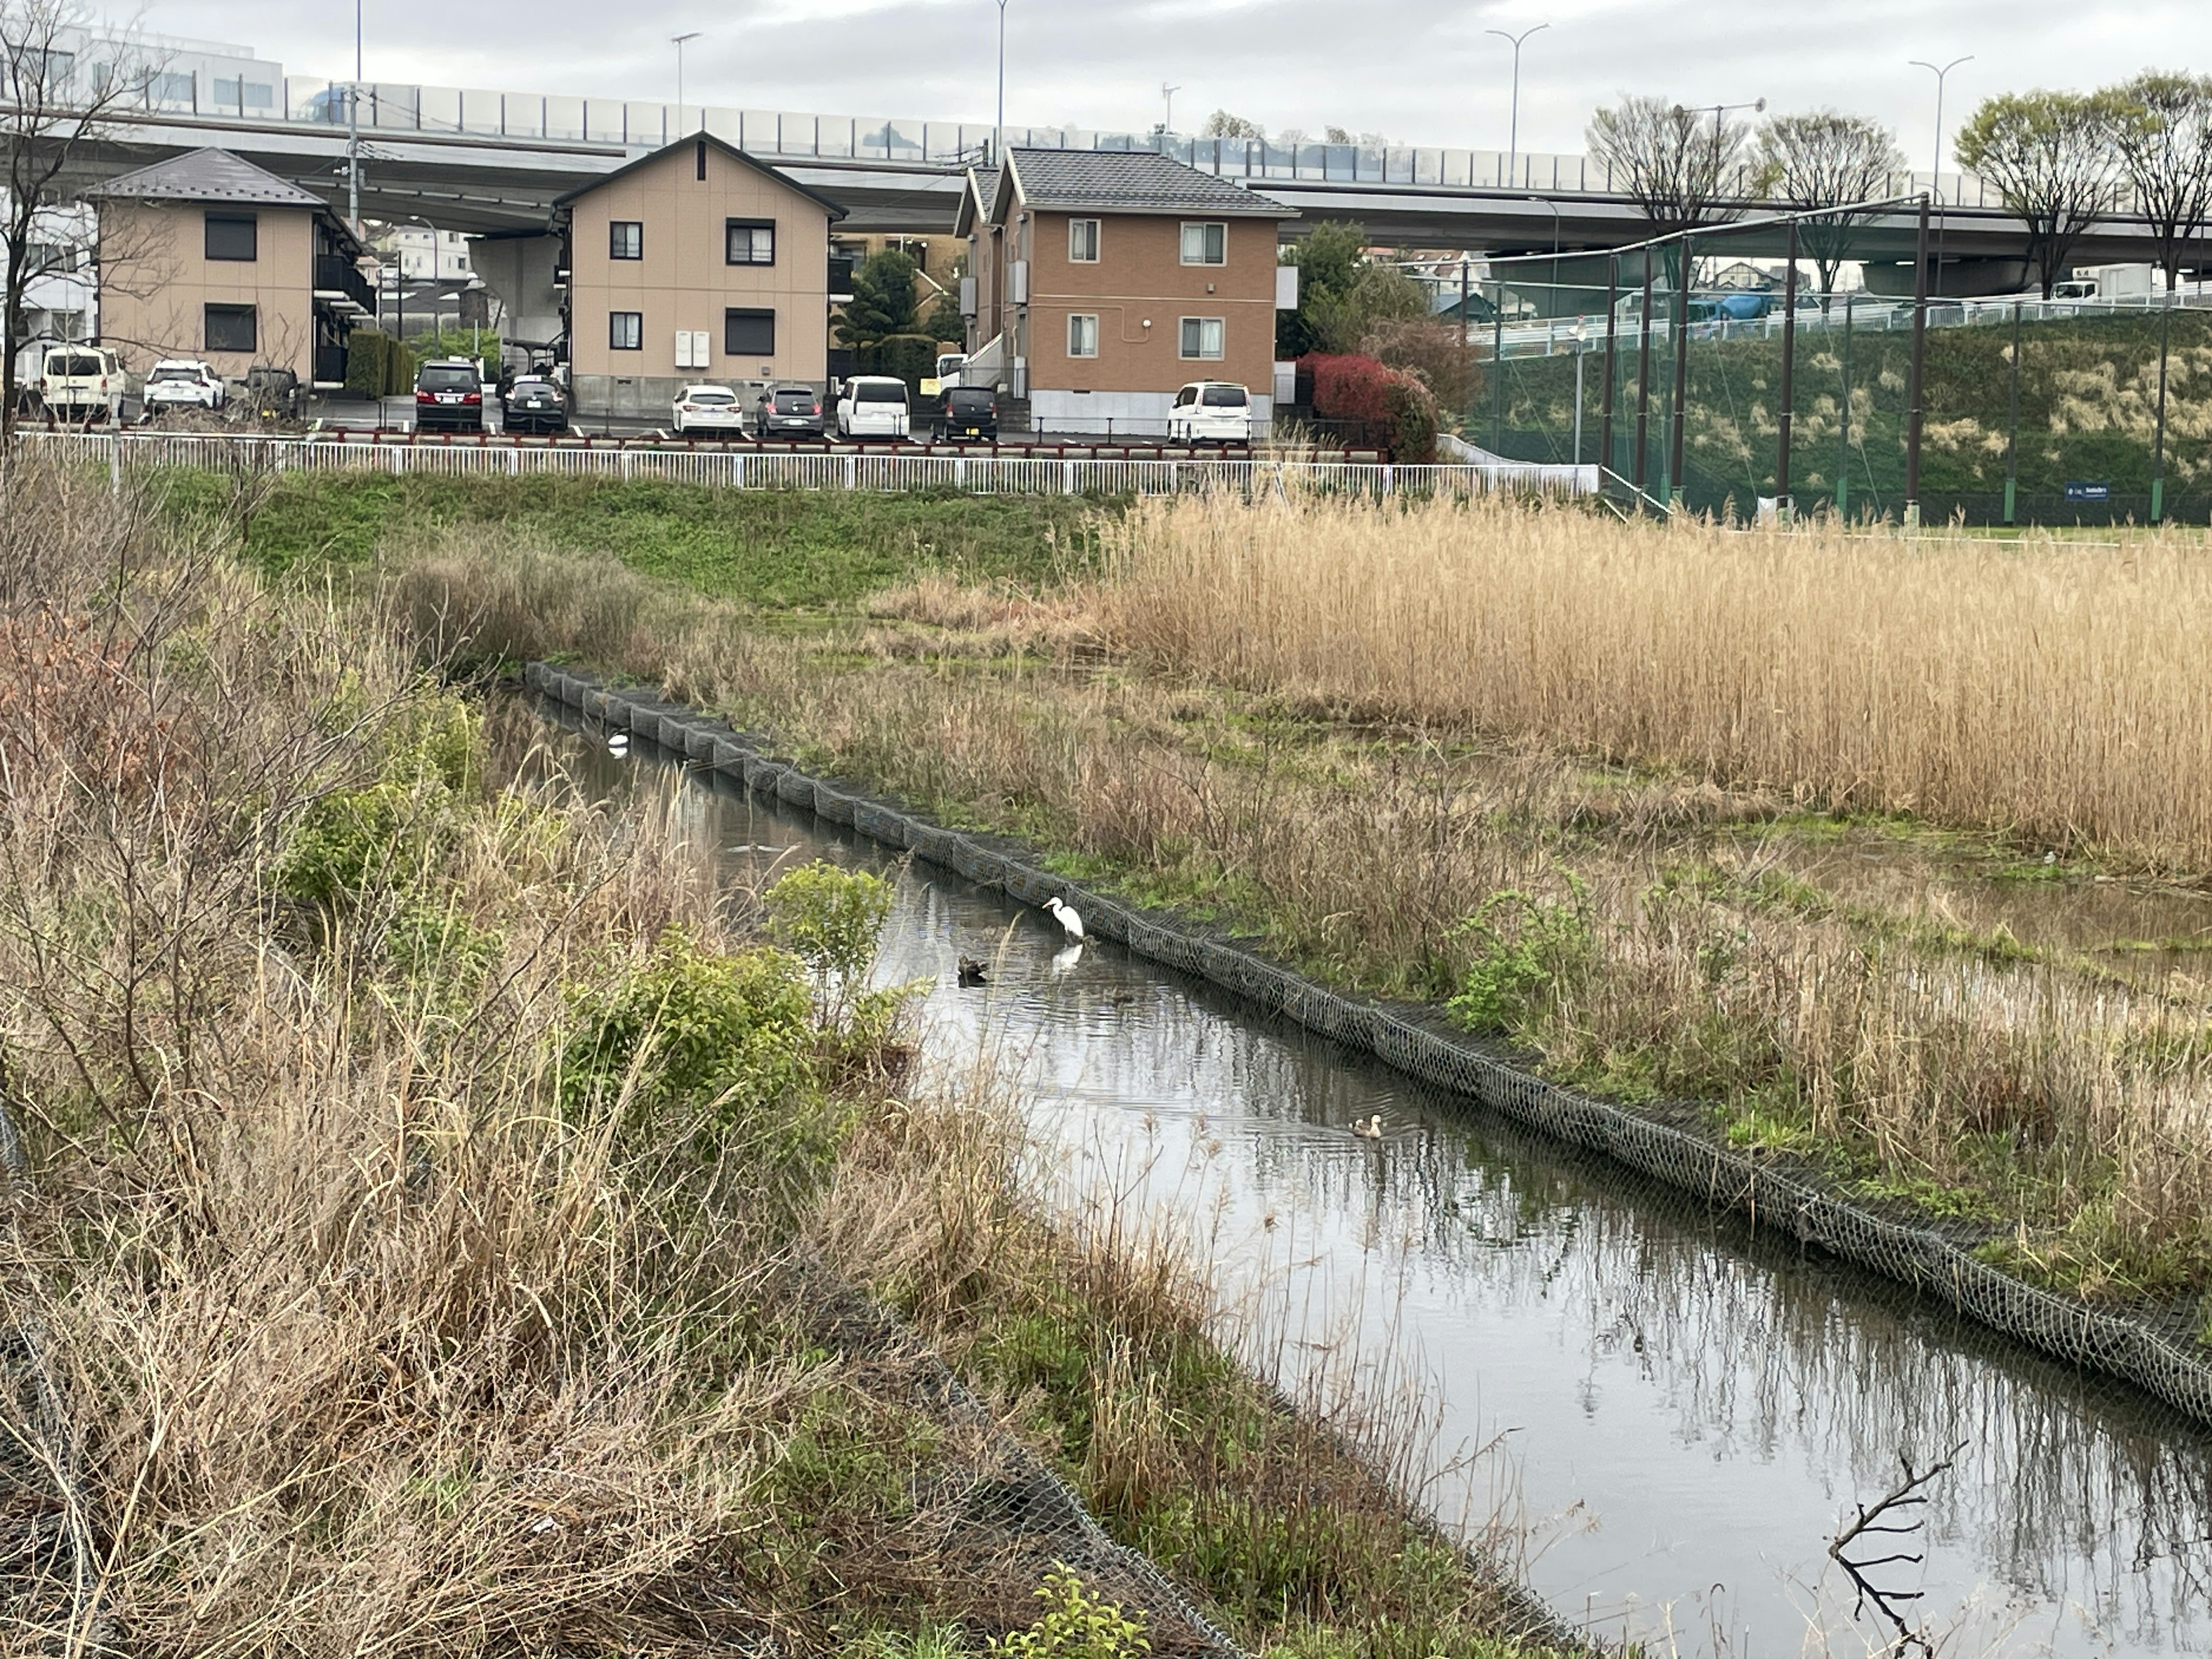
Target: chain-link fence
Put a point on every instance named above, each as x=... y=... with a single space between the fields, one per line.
x=2084 y=410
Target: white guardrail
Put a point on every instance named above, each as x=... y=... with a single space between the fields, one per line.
x=727 y=469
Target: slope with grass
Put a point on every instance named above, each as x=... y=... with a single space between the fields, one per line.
x=433 y=1202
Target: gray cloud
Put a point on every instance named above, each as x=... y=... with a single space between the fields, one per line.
x=1421 y=73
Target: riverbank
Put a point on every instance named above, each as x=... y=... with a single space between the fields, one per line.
x=419 y=1183
x=1933 y=1043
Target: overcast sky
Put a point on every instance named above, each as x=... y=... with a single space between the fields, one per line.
x=1419 y=71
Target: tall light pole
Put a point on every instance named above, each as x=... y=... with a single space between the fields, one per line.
x=1168 y=92
x=1935 y=178
x=999 y=134
x=1513 y=132
x=676 y=41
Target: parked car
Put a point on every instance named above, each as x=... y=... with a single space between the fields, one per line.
x=274 y=393
x=708 y=409
x=534 y=403
x=81 y=382
x=788 y=411
x=967 y=414
x=449 y=395
x=1211 y=412
x=874 y=406
x=183 y=383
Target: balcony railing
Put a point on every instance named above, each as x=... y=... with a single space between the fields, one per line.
x=335 y=275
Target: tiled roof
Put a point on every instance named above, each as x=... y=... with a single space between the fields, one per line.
x=1132 y=181
x=209 y=175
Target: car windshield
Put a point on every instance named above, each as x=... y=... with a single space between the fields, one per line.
x=794 y=402
x=969 y=400
x=189 y=376
x=1224 y=397
x=879 y=392
x=710 y=396
x=447 y=377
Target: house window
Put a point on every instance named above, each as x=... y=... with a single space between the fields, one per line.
x=751 y=242
x=1201 y=336
x=1206 y=244
x=233 y=236
x=252 y=95
x=173 y=89
x=749 y=333
x=1083 y=335
x=625 y=330
x=626 y=240
x=232 y=328
x=1083 y=241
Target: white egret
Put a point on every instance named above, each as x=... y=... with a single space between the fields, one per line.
x=1069 y=919
x=1065 y=961
x=619 y=742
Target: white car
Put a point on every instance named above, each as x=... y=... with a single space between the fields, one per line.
x=183 y=383
x=1211 y=412
x=874 y=406
x=708 y=409
x=81 y=382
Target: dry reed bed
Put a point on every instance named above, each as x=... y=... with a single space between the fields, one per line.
x=2069 y=1110
x=2052 y=691
x=351 y=1302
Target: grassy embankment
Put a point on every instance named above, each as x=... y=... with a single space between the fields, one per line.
x=2087 y=410
x=412 y=1248
x=1571 y=779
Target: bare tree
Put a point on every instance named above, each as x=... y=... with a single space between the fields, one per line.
x=2162 y=130
x=2052 y=158
x=1673 y=163
x=1825 y=158
x=60 y=86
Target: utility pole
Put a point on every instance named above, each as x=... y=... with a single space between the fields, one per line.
x=1513 y=131
x=353 y=131
x=1913 y=393
x=677 y=40
x=1935 y=178
x=998 y=138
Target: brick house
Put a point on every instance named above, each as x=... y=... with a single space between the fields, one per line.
x=695 y=263
x=1103 y=280
x=206 y=255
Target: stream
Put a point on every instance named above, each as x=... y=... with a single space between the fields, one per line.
x=1676 y=1412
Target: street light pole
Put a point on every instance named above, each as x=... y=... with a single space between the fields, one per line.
x=1935 y=178
x=1167 y=124
x=999 y=137
x=1513 y=131
x=677 y=40
x=353 y=131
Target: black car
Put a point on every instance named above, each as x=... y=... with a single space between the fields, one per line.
x=967 y=414
x=788 y=411
x=449 y=396
x=534 y=403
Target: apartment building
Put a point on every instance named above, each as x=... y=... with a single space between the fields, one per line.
x=1105 y=279
x=695 y=263
x=206 y=255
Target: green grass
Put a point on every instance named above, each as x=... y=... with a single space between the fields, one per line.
x=796 y=549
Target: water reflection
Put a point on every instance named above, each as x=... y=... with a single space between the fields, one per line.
x=1685 y=1408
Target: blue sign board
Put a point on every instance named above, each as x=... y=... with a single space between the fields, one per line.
x=2082 y=490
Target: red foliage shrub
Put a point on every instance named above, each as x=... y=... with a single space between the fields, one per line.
x=1395 y=407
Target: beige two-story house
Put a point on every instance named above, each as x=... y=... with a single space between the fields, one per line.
x=693 y=264
x=1105 y=279
x=206 y=255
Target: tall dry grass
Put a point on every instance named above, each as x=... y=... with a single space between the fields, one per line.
x=2050 y=691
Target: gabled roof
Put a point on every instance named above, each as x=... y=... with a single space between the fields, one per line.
x=208 y=175
x=835 y=210
x=1125 y=181
x=976 y=199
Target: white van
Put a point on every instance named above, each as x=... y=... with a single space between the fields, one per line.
x=874 y=406
x=1211 y=412
x=81 y=382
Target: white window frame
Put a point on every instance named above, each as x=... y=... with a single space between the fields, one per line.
x=1074 y=317
x=1095 y=238
x=1201 y=355
x=1202 y=226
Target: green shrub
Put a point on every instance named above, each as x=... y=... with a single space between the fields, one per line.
x=830 y=919
x=1075 y=1625
x=1526 y=951
x=349 y=841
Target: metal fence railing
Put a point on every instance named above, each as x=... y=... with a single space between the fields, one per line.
x=981 y=475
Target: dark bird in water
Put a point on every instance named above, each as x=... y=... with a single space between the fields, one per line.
x=972 y=971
